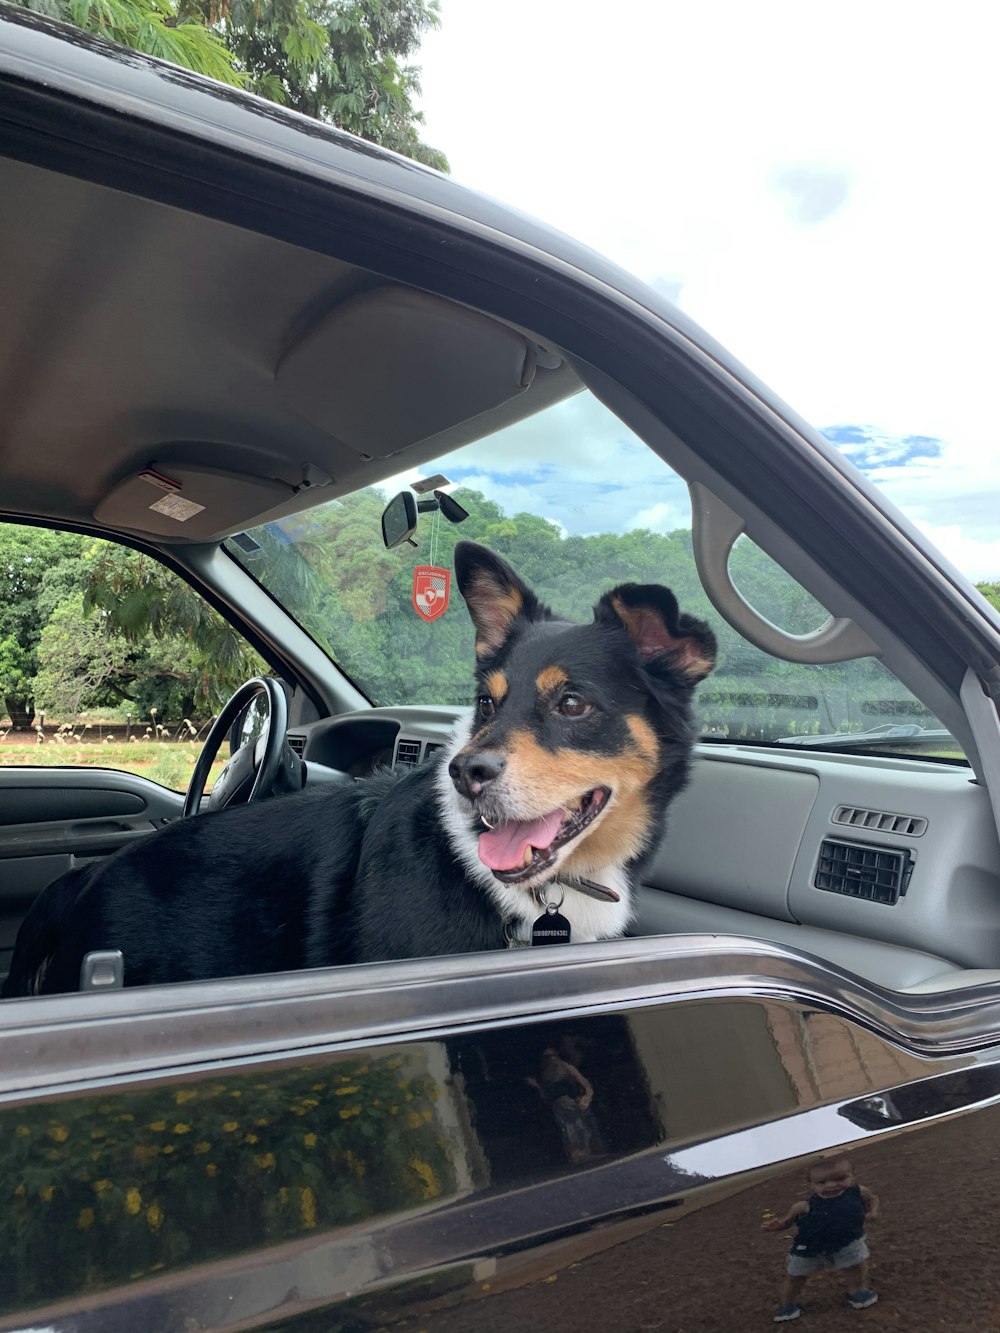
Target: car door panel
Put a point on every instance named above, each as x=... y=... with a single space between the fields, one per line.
x=54 y=819
x=381 y=1145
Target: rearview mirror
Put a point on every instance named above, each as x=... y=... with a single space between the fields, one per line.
x=399 y=520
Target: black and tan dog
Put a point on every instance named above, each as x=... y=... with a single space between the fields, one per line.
x=557 y=783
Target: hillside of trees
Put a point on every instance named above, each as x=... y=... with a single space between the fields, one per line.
x=89 y=626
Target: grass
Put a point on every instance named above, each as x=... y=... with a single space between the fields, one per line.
x=168 y=762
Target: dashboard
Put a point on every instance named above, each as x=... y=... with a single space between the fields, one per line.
x=358 y=744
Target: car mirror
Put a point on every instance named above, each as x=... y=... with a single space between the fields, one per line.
x=399 y=520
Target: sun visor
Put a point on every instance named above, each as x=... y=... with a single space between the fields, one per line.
x=391 y=367
x=188 y=502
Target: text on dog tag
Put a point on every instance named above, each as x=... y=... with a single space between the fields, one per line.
x=550 y=928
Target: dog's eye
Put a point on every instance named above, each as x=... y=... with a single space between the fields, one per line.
x=573 y=705
x=486 y=705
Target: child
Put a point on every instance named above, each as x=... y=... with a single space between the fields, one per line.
x=830 y=1231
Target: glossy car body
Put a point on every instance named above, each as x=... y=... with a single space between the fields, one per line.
x=374 y=1147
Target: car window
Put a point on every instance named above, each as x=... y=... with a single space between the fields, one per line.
x=576 y=503
x=107 y=658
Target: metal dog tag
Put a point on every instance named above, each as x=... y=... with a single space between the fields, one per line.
x=552 y=928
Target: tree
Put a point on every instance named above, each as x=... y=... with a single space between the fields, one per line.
x=33 y=562
x=155 y=27
x=339 y=61
x=186 y=659
x=344 y=62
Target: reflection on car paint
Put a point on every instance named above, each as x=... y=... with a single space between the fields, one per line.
x=436 y=1162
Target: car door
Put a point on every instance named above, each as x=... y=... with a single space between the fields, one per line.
x=55 y=819
x=513 y=1141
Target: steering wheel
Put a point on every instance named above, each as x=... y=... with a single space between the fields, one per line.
x=252 y=769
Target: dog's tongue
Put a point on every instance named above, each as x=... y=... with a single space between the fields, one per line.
x=503 y=847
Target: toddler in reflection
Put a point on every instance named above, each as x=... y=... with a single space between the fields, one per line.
x=830 y=1232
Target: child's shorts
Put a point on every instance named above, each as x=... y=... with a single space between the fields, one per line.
x=802 y=1265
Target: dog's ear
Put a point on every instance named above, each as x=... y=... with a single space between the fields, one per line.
x=650 y=616
x=494 y=594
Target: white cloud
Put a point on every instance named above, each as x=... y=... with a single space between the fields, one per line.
x=662 y=517
x=813 y=184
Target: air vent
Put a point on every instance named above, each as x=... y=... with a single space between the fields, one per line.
x=859 y=870
x=429 y=748
x=408 y=752
x=298 y=744
x=880 y=821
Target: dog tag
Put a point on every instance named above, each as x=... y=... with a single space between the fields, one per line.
x=552 y=928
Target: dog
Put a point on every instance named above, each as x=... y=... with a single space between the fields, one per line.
x=549 y=799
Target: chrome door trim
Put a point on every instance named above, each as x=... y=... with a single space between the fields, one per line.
x=49 y=1041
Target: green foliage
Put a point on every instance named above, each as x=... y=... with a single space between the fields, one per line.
x=340 y=61
x=35 y=571
x=155 y=27
x=210 y=1168
x=187 y=660
x=86 y=624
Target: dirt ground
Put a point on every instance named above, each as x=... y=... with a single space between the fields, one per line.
x=934 y=1257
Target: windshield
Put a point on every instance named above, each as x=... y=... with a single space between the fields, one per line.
x=577 y=504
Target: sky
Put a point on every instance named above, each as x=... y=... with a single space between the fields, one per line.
x=815 y=184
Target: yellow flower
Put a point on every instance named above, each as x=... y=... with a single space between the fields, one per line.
x=154 y=1216
x=431 y=1187
x=235 y=1092
x=344 y=1092
x=126 y=1115
x=425 y=1115
x=159 y=1126
x=183 y=1095
x=283 y=1195
x=349 y=1111
x=133 y=1201
x=23 y=1132
x=182 y=1128
x=46 y=1193
x=318 y=1087
x=203 y=1146
x=262 y=1121
x=231 y=1125
x=265 y=1161
x=145 y=1152
x=20 y=1191
x=85 y=1220
x=102 y=1186
x=167 y=1149
x=309 y=1140
x=307 y=1207
x=211 y=1169
x=58 y=1132
x=414 y=1120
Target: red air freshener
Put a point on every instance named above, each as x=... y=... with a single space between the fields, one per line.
x=431 y=589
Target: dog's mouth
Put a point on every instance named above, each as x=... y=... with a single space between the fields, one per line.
x=522 y=848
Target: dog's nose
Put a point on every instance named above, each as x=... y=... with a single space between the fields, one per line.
x=471 y=772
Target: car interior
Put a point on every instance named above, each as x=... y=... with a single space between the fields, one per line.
x=267 y=381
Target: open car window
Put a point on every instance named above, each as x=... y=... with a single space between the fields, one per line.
x=577 y=503
x=108 y=659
